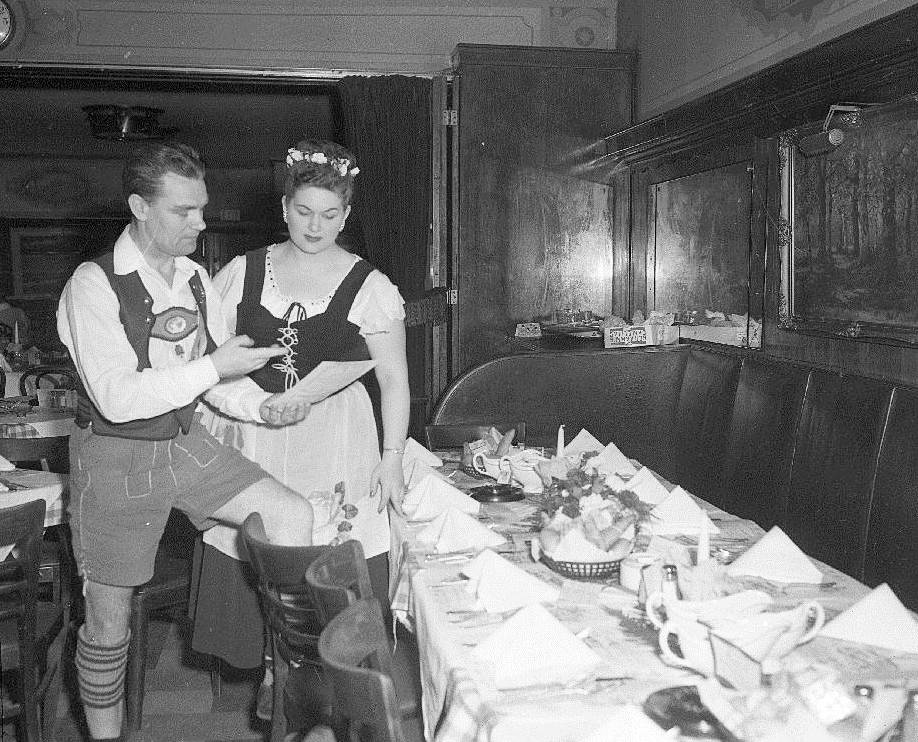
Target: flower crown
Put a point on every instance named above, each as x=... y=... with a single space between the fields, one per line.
x=341 y=165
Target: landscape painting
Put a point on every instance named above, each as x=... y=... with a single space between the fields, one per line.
x=855 y=224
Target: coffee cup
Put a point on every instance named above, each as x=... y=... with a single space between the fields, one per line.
x=694 y=643
x=496 y=467
x=523 y=467
x=769 y=636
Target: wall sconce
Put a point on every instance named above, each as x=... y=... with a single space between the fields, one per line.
x=820 y=143
x=827 y=140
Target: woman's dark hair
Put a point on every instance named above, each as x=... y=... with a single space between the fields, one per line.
x=145 y=167
x=335 y=174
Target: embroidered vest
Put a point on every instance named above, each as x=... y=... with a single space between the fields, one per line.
x=136 y=315
x=324 y=337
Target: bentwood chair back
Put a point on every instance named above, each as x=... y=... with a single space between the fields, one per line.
x=357 y=657
x=287 y=605
x=338 y=578
x=51 y=454
x=46 y=377
x=32 y=633
x=453 y=435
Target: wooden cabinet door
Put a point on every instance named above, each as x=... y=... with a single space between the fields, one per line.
x=533 y=234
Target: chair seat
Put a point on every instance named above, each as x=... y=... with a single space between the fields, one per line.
x=169 y=583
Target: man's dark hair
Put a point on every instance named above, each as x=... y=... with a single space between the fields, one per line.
x=145 y=167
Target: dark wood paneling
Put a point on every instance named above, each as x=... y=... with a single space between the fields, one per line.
x=876 y=63
x=532 y=235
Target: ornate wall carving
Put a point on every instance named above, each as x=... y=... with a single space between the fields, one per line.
x=272 y=34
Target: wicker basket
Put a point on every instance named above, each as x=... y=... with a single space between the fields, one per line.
x=584 y=570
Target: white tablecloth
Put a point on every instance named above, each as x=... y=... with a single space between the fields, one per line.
x=48 y=486
x=39 y=422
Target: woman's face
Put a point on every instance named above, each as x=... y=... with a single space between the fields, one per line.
x=315 y=216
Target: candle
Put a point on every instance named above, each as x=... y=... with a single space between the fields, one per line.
x=16 y=332
x=559 y=447
x=704 y=540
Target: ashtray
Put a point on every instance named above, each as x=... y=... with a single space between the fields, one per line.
x=497 y=493
x=682 y=707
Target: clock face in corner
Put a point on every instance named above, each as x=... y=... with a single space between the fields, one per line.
x=7 y=23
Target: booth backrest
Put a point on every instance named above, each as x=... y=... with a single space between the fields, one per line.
x=759 y=449
x=831 y=486
x=830 y=458
x=892 y=532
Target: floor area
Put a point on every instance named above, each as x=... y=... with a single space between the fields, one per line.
x=179 y=704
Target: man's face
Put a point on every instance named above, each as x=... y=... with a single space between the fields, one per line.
x=170 y=224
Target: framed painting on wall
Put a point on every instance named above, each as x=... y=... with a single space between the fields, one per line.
x=849 y=216
x=698 y=257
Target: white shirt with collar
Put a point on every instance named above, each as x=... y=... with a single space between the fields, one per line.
x=89 y=325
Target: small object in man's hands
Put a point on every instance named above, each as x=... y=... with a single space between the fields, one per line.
x=350 y=511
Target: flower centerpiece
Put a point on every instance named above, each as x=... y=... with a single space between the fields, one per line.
x=584 y=519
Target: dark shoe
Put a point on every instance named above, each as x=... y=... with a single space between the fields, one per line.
x=264 y=701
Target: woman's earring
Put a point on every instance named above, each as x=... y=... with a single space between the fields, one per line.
x=284 y=209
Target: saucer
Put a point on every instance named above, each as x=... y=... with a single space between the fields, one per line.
x=497 y=493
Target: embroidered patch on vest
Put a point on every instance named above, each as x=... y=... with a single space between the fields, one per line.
x=175 y=323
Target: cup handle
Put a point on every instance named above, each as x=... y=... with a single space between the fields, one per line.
x=478 y=463
x=655 y=603
x=670 y=657
x=816 y=614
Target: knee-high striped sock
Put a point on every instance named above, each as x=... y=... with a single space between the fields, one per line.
x=100 y=670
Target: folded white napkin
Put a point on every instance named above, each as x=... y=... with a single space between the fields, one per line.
x=574 y=547
x=629 y=724
x=679 y=513
x=878 y=618
x=647 y=487
x=611 y=461
x=432 y=496
x=6 y=465
x=415 y=471
x=454 y=530
x=501 y=586
x=583 y=442
x=415 y=451
x=534 y=648
x=775 y=557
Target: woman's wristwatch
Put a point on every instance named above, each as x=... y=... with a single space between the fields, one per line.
x=393 y=449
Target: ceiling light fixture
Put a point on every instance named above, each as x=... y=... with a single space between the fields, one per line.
x=126 y=123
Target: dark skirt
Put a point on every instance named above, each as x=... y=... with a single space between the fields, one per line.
x=224 y=609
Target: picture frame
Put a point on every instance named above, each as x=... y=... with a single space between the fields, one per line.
x=847 y=215
x=701 y=264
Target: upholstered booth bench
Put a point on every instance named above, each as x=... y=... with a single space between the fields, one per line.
x=831 y=458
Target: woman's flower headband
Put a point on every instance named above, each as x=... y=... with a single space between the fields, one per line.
x=341 y=165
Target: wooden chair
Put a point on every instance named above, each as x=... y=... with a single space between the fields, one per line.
x=54 y=378
x=167 y=589
x=33 y=634
x=338 y=578
x=288 y=607
x=453 y=435
x=357 y=657
x=2 y=383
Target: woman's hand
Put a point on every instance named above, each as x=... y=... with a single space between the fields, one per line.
x=275 y=412
x=389 y=479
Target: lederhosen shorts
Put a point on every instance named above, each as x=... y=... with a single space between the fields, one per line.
x=121 y=492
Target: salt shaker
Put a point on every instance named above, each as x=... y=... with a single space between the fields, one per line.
x=670 y=585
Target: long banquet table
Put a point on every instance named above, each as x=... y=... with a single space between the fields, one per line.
x=459 y=703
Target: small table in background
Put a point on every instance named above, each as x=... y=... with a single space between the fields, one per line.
x=38 y=422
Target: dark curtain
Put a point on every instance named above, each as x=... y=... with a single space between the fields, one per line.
x=386 y=123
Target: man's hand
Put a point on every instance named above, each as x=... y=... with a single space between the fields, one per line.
x=237 y=357
x=274 y=412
